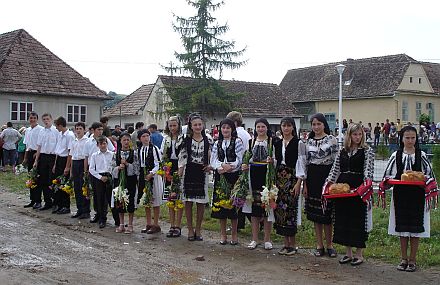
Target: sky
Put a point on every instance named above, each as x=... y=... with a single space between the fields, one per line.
x=121 y=45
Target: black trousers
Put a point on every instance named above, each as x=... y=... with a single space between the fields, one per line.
x=44 y=169
x=61 y=198
x=30 y=164
x=102 y=194
x=82 y=203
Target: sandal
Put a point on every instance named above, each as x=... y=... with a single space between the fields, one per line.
x=345 y=259
x=129 y=229
x=147 y=228
x=198 y=238
x=319 y=252
x=233 y=242
x=332 y=252
x=120 y=229
x=402 y=265
x=177 y=232
x=192 y=238
x=223 y=242
x=356 y=261
x=171 y=232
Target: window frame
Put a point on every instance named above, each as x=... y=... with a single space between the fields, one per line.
x=18 y=111
x=72 y=113
x=418 y=110
x=405 y=114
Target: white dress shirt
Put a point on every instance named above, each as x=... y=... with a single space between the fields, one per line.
x=217 y=164
x=245 y=138
x=78 y=149
x=100 y=162
x=31 y=137
x=92 y=147
x=64 y=141
x=47 y=140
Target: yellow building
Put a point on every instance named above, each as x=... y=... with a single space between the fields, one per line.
x=374 y=89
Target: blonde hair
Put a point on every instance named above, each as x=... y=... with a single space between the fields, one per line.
x=350 y=130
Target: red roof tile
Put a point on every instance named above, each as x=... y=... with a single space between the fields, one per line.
x=132 y=104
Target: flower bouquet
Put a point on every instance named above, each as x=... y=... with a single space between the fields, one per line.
x=269 y=194
x=240 y=192
x=68 y=188
x=120 y=193
x=85 y=187
x=165 y=171
x=223 y=192
x=147 y=196
x=174 y=201
x=57 y=183
x=31 y=183
x=19 y=169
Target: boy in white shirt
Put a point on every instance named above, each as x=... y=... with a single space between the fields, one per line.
x=100 y=170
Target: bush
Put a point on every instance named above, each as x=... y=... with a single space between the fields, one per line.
x=382 y=152
x=436 y=160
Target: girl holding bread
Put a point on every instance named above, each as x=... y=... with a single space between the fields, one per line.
x=354 y=165
x=410 y=204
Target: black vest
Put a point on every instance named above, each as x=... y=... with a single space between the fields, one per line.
x=354 y=163
x=417 y=166
x=149 y=161
x=291 y=153
x=230 y=151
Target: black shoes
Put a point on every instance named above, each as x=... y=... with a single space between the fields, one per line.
x=84 y=216
x=36 y=206
x=101 y=225
x=55 y=209
x=63 y=211
x=31 y=204
x=46 y=207
x=76 y=215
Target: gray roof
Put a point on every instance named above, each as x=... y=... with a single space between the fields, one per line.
x=27 y=66
x=370 y=77
x=260 y=99
x=132 y=104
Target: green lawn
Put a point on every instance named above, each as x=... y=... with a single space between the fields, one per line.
x=380 y=245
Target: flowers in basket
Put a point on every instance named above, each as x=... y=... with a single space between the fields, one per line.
x=31 y=183
x=240 y=192
x=223 y=191
x=174 y=201
x=68 y=187
x=19 y=169
x=147 y=196
x=120 y=193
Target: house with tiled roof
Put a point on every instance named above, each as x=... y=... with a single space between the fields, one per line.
x=32 y=78
x=374 y=89
x=131 y=109
x=258 y=100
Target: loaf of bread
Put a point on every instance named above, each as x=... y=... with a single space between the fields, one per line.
x=339 y=188
x=412 y=176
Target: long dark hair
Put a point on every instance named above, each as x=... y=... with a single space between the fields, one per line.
x=290 y=121
x=189 y=137
x=406 y=129
x=320 y=117
x=264 y=121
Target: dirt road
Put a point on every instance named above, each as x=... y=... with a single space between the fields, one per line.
x=42 y=248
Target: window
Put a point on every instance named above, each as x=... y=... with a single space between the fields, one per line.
x=159 y=102
x=418 y=110
x=20 y=110
x=410 y=80
x=76 y=113
x=420 y=80
x=404 y=111
x=430 y=107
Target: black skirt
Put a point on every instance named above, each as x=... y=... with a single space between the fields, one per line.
x=258 y=180
x=350 y=215
x=194 y=181
x=409 y=207
x=316 y=175
x=286 y=212
x=224 y=213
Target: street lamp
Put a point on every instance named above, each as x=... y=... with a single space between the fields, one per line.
x=340 y=68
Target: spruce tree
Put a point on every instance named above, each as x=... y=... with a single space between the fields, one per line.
x=206 y=55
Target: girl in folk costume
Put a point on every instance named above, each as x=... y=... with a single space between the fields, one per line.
x=194 y=168
x=226 y=161
x=410 y=204
x=354 y=165
x=170 y=150
x=287 y=212
x=315 y=159
x=125 y=162
x=149 y=158
x=257 y=168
